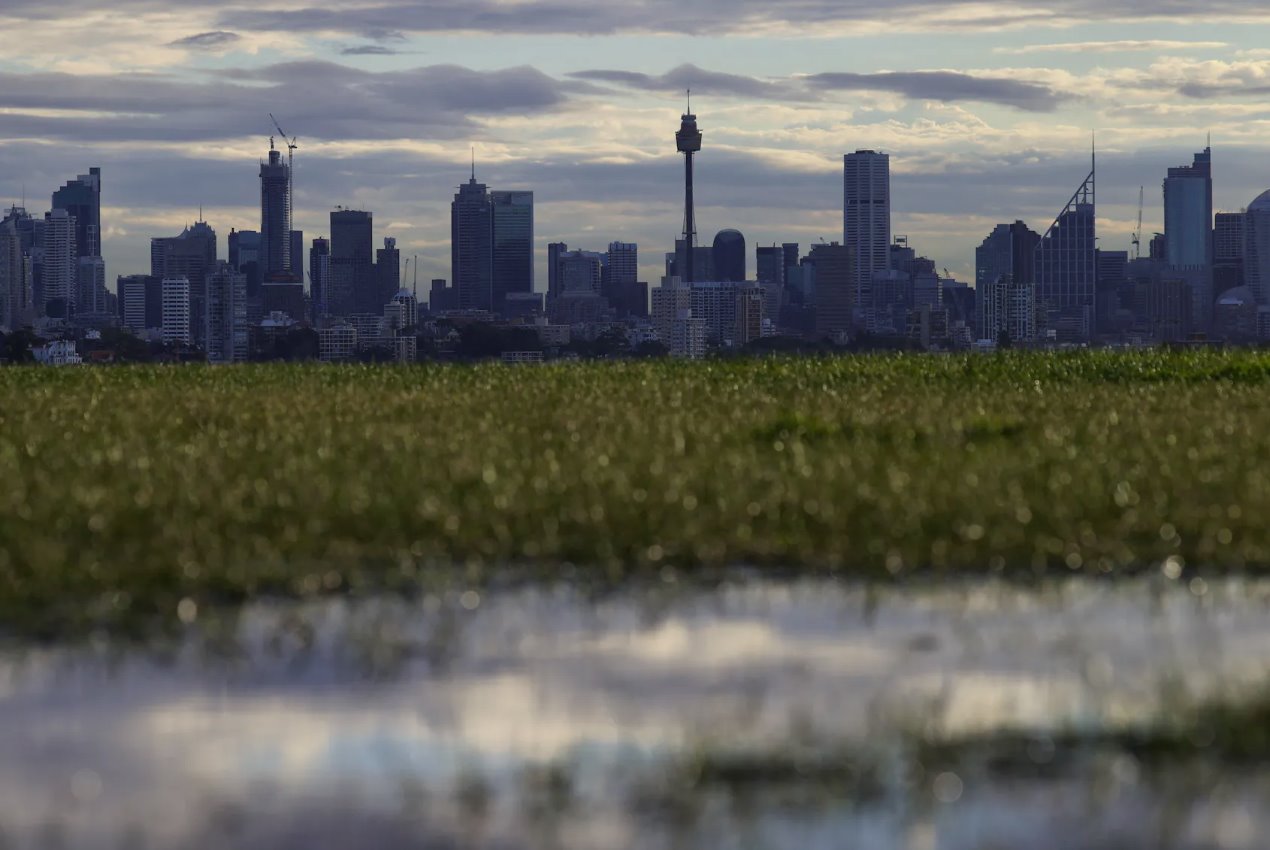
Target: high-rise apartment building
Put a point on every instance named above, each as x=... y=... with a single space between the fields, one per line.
x=275 y=216
x=59 y=260
x=866 y=212
x=513 y=222
x=81 y=198
x=352 y=264
x=176 y=311
x=226 y=315
x=472 y=246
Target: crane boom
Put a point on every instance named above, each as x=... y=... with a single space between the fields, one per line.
x=1137 y=234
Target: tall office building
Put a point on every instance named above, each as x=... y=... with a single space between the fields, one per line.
x=866 y=217
x=729 y=256
x=319 y=278
x=226 y=315
x=16 y=241
x=1066 y=267
x=513 y=221
x=91 y=296
x=623 y=263
x=189 y=255
x=81 y=198
x=275 y=216
x=1228 y=237
x=176 y=311
x=1188 y=213
x=1188 y=231
x=1004 y=269
x=387 y=271
x=836 y=288
x=59 y=264
x=352 y=265
x=472 y=246
x=554 y=251
x=1257 y=248
x=770 y=264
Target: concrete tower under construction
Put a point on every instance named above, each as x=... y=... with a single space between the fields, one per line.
x=688 y=140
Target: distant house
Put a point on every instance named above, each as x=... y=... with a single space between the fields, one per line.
x=60 y=352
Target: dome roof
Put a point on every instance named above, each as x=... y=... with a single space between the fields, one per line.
x=1236 y=297
x=1262 y=204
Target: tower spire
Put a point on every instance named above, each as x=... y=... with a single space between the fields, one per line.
x=473 y=163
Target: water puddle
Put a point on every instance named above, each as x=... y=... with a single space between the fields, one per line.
x=753 y=714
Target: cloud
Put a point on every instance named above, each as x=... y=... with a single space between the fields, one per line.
x=809 y=18
x=1127 y=46
x=370 y=50
x=947 y=86
x=943 y=86
x=207 y=40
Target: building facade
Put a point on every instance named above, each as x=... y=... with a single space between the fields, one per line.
x=176 y=311
x=512 y=218
x=226 y=315
x=275 y=216
x=866 y=212
x=472 y=247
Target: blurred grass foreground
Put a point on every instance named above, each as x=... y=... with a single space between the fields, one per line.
x=129 y=492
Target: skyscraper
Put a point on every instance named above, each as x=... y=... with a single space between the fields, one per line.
x=513 y=219
x=1004 y=269
x=866 y=217
x=352 y=278
x=60 y=264
x=275 y=216
x=387 y=271
x=140 y=302
x=16 y=239
x=729 y=256
x=1066 y=267
x=1257 y=248
x=623 y=263
x=226 y=315
x=1188 y=231
x=189 y=254
x=770 y=264
x=297 y=256
x=319 y=278
x=472 y=246
x=1188 y=213
x=688 y=142
x=81 y=198
x=835 y=288
x=1228 y=252
x=90 y=296
x=176 y=311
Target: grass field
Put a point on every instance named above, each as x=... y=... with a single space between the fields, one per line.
x=125 y=491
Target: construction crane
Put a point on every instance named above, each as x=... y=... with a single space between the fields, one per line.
x=291 y=149
x=1137 y=234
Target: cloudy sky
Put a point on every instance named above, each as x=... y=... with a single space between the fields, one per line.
x=986 y=108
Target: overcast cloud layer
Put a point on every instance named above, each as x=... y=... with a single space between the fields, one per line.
x=987 y=109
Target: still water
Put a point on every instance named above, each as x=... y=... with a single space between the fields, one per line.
x=746 y=714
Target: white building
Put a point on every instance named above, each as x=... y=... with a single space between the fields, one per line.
x=338 y=342
x=58 y=353
x=176 y=310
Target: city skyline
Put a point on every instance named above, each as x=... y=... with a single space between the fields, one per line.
x=995 y=120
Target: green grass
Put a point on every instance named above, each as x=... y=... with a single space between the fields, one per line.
x=127 y=490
